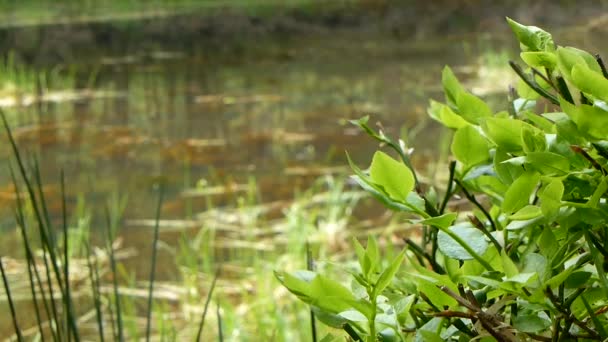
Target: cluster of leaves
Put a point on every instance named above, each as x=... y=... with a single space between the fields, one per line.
x=527 y=260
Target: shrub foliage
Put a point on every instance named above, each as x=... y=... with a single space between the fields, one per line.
x=527 y=259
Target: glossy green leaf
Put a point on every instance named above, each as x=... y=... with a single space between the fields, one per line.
x=548 y=163
x=446 y=115
x=577 y=279
x=508 y=265
x=531 y=323
x=532 y=38
x=591 y=120
x=568 y=57
x=451 y=86
x=364 y=260
x=393 y=176
x=599 y=192
x=551 y=197
x=387 y=275
x=518 y=195
x=539 y=59
x=472 y=236
x=353 y=316
x=539 y=121
x=537 y=263
x=435 y=295
x=472 y=108
x=470 y=147
x=590 y=82
x=507 y=173
x=533 y=139
x=373 y=253
x=442 y=221
x=548 y=243
x=506 y=133
x=526 y=213
x=430 y=331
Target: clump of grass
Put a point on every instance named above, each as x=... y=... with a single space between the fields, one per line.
x=53 y=273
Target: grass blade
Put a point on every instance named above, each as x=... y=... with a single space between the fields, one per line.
x=220 y=331
x=42 y=227
x=30 y=260
x=310 y=267
x=94 y=278
x=10 y=302
x=110 y=236
x=66 y=266
x=207 y=301
x=153 y=267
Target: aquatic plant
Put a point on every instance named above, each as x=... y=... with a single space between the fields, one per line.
x=526 y=259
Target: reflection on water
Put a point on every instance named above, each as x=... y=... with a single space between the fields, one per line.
x=278 y=117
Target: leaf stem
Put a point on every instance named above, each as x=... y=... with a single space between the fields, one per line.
x=532 y=83
x=448 y=191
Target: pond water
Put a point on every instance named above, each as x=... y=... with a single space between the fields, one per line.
x=187 y=120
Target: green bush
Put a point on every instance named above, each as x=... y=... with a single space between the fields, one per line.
x=527 y=261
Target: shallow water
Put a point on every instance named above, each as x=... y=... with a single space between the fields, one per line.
x=278 y=116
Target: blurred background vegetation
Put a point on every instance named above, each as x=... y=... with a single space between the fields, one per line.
x=239 y=108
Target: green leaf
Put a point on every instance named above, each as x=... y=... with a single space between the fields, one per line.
x=296 y=285
x=536 y=263
x=329 y=319
x=508 y=265
x=442 y=221
x=393 y=176
x=445 y=115
x=472 y=236
x=506 y=133
x=531 y=323
x=373 y=254
x=472 y=108
x=591 y=120
x=364 y=261
x=548 y=243
x=599 y=192
x=362 y=123
x=506 y=172
x=539 y=121
x=533 y=139
x=532 y=38
x=539 y=59
x=430 y=331
x=387 y=275
x=548 y=163
x=568 y=57
x=577 y=279
x=551 y=198
x=590 y=82
x=330 y=295
x=527 y=213
x=353 y=316
x=518 y=194
x=435 y=295
x=451 y=86
x=525 y=92
x=470 y=147
x=331 y=338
